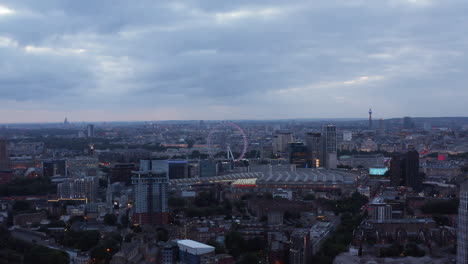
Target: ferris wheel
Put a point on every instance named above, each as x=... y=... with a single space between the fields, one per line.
x=229 y=137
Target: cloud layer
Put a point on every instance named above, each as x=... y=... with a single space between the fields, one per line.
x=154 y=60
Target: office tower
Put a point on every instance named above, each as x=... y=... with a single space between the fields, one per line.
x=413 y=177
x=122 y=172
x=370 y=119
x=150 y=189
x=4 y=157
x=408 y=123
x=382 y=129
x=462 y=234
x=208 y=168
x=90 y=129
x=396 y=169
x=54 y=167
x=329 y=154
x=83 y=188
x=314 y=150
x=298 y=154
x=281 y=139
x=405 y=170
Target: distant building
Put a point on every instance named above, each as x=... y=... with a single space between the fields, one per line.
x=462 y=234
x=347 y=135
x=382 y=128
x=298 y=154
x=427 y=126
x=329 y=150
x=413 y=177
x=314 y=150
x=300 y=249
x=29 y=219
x=175 y=169
x=405 y=170
x=178 y=169
x=4 y=157
x=408 y=123
x=208 y=168
x=90 y=130
x=281 y=140
x=122 y=172
x=150 y=189
x=82 y=166
x=84 y=188
x=379 y=210
x=193 y=252
x=54 y=167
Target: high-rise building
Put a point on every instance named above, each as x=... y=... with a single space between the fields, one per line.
x=382 y=129
x=405 y=170
x=90 y=129
x=314 y=150
x=462 y=234
x=83 y=188
x=54 y=167
x=4 y=157
x=329 y=150
x=397 y=171
x=150 y=189
x=370 y=119
x=281 y=139
x=413 y=177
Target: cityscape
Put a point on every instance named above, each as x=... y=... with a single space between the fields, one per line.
x=286 y=191
x=233 y=132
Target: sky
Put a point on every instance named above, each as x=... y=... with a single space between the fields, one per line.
x=112 y=60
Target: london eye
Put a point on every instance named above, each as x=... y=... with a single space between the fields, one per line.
x=228 y=137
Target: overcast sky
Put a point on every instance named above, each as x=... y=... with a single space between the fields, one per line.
x=246 y=59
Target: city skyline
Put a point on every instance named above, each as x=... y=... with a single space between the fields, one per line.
x=249 y=59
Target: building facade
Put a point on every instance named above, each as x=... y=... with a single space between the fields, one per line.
x=329 y=150
x=150 y=189
x=85 y=188
x=314 y=151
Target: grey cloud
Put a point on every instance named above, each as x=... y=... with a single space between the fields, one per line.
x=240 y=54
